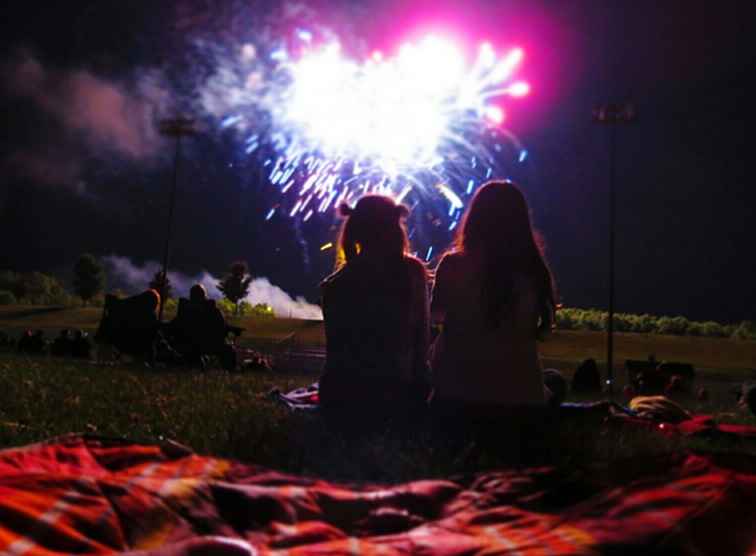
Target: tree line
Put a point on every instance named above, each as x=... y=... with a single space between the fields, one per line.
x=88 y=285
x=89 y=281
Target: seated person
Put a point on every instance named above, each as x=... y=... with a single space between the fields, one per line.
x=80 y=345
x=62 y=345
x=199 y=329
x=494 y=295
x=131 y=324
x=747 y=397
x=375 y=308
x=587 y=379
x=5 y=340
x=32 y=343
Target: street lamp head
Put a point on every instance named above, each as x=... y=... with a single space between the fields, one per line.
x=177 y=127
x=614 y=113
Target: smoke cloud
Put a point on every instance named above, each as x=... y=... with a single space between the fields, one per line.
x=124 y=274
x=102 y=114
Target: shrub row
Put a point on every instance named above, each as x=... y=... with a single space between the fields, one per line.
x=260 y=310
x=594 y=319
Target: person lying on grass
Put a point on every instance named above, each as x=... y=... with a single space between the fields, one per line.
x=494 y=294
x=375 y=308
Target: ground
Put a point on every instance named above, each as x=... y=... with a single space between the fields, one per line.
x=231 y=415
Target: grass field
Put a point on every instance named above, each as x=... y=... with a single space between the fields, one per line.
x=230 y=414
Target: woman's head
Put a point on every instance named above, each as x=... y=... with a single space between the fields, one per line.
x=373 y=228
x=497 y=223
x=496 y=228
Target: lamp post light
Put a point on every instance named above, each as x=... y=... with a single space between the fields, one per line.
x=612 y=114
x=172 y=127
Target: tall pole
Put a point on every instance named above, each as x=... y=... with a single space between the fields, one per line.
x=178 y=128
x=612 y=227
x=612 y=114
x=166 y=250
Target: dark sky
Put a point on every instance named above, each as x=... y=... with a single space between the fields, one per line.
x=685 y=200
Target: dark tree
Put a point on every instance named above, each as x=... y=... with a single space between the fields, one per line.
x=162 y=284
x=89 y=277
x=12 y=282
x=235 y=285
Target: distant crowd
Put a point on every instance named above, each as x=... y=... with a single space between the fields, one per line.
x=130 y=326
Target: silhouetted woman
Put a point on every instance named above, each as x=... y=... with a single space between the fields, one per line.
x=494 y=295
x=375 y=308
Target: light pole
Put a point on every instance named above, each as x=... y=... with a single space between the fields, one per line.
x=172 y=127
x=612 y=114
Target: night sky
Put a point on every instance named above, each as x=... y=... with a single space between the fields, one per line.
x=685 y=200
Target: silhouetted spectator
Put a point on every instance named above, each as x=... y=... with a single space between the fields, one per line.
x=748 y=396
x=495 y=295
x=628 y=392
x=62 y=345
x=675 y=385
x=587 y=379
x=375 y=308
x=685 y=371
x=6 y=341
x=23 y=342
x=32 y=343
x=81 y=348
x=199 y=330
x=650 y=381
x=557 y=387
x=131 y=324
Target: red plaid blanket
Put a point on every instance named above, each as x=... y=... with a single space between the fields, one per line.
x=82 y=495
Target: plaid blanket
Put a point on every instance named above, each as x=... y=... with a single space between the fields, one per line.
x=87 y=495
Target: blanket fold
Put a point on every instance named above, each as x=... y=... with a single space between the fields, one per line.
x=88 y=495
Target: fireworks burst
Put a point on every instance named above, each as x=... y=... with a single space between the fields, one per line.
x=423 y=125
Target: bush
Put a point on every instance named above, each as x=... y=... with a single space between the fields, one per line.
x=712 y=328
x=226 y=307
x=695 y=329
x=569 y=318
x=262 y=310
x=170 y=305
x=646 y=323
x=624 y=322
x=565 y=319
x=7 y=298
x=672 y=325
x=746 y=330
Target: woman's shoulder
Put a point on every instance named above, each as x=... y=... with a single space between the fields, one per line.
x=452 y=261
x=416 y=266
x=335 y=279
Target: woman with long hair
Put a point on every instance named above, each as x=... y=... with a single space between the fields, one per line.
x=494 y=296
x=375 y=307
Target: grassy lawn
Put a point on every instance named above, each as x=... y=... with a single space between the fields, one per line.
x=230 y=414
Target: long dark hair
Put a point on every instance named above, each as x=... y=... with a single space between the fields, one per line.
x=497 y=228
x=373 y=228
